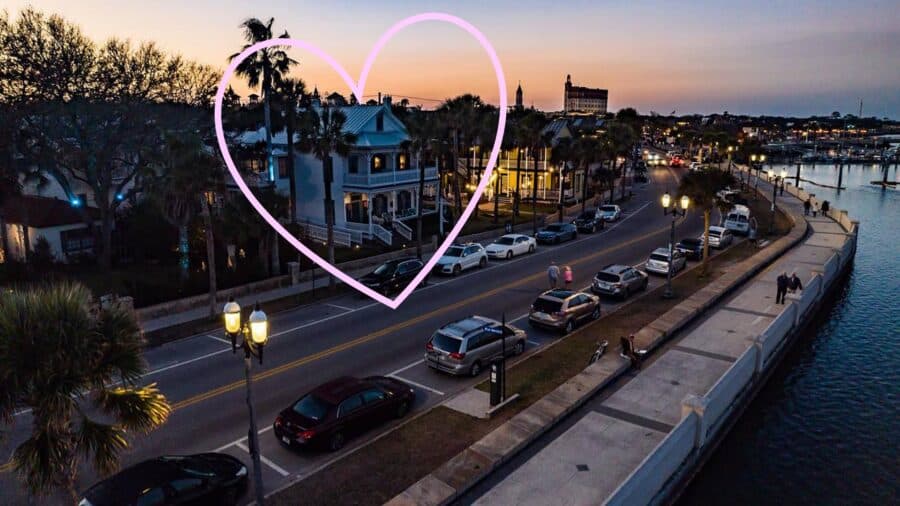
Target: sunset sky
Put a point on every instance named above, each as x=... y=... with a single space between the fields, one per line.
x=764 y=57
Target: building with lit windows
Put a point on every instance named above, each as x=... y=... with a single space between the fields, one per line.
x=582 y=100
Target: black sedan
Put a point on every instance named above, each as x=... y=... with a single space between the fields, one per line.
x=393 y=275
x=692 y=247
x=589 y=221
x=557 y=233
x=344 y=407
x=206 y=478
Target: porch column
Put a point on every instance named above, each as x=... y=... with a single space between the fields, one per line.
x=393 y=203
x=416 y=198
x=369 y=211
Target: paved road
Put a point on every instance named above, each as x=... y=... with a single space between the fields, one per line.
x=348 y=335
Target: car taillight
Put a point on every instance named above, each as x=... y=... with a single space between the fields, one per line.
x=457 y=355
x=278 y=421
x=306 y=434
x=429 y=346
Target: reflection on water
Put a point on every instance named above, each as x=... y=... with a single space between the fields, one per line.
x=825 y=428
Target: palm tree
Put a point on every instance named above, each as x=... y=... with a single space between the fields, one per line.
x=267 y=67
x=702 y=187
x=326 y=135
x=532 y=136
x=78 y=368
x=421 y=129
x=621 y=139
x=586 y=151
x=461 y=115
x=561 y=155
x=291 y=92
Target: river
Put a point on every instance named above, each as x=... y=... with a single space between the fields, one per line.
x=825 y=429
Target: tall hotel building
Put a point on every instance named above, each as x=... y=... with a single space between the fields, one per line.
x=582 y=100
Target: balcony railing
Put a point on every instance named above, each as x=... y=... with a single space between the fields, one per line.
x=389 y=178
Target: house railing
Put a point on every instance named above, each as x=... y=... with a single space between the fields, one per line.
x=382 y=234
x=342 y=236
x=402 y=229
x=389 y=178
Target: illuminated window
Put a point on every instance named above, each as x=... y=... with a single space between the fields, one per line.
x=402 y=161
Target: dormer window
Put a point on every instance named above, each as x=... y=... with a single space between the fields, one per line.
x=379 y=122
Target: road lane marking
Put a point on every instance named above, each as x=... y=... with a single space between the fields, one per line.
x=337 y=306
x=413 y=383
x=265 y=429
x=265 y=461
x=179 y=364
x=534 y=342
x=398 y=371
x=393 y=328
x=221 y=340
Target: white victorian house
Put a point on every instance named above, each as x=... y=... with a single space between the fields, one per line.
x=375 y=188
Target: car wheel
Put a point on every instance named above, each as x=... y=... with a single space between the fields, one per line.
x=596 y=314
x=482 y=263
x=519 y=348
x=531 y=248
x=475 y=370
x=594 y=229
x=456 y=270
x=575 y=236
x=570 y=326
x=336 y=442
x=556 y=240
x=509 y=255
x=626 y=293
x=402 y=409
x=646 y=283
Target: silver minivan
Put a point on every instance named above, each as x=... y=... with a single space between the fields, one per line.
x=467 y=346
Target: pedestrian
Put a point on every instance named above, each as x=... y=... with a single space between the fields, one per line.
x=825 y=206
x=783 y=281
x=795 y=283
x=568 y=276
x=553 y=274
x=806 y=205
x=815 y=209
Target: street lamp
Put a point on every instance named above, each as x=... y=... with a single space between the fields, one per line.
x=776 y=177
x=730 y=151
x=255 y=334
x=669 y=207
x=761 y=159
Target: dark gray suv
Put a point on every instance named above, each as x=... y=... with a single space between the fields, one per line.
x=467 y=346
x=619 y=281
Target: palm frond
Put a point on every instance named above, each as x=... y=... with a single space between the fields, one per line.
x=101 y=443
x=140 y=409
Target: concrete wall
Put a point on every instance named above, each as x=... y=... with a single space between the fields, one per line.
x=774 y=334
x=652 y=473
x=831 y=268
x=721 y=396
x=809 y=295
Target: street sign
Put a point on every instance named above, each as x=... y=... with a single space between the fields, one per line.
x=493 y=330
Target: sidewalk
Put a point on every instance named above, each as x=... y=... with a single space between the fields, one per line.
x=625 y=448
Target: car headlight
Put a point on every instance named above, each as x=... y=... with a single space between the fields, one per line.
x=241 y=472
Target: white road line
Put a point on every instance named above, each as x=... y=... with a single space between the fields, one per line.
x=398 y=371
x=344 y=308
x=413 y=383
x=518 y=318
x=186 y=362
x=534 y=342
x=220 y=339
x=265 y=461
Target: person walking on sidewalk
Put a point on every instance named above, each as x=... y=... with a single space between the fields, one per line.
x=568 y=276
x=794 y=284
x=806 y=205
x=783 y=281
x=552 y=274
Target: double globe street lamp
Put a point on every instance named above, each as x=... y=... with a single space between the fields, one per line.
x=670 y=207
x=254 y=335
x=775 y=179
x=756 y=162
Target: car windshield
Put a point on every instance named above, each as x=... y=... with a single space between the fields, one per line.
x=505 y=240
x=554 y=228
x=608 y=277
x=547 y=306
x=311 y=407
x=690 y=241
x=660 y=257
x=608 y=209
x=446 y=343
x=454 y=251
x=385 y=269
x=715 y=233
x=587 y=215
x=740 y=218
x=196 y=467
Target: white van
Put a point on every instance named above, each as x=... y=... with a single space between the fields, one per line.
x=738 y=220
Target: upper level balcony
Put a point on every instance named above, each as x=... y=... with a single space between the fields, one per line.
x=388 y=178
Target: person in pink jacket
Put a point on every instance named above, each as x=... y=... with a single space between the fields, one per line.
x=568 y=276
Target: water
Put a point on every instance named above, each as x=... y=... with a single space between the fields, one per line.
x=825 y=429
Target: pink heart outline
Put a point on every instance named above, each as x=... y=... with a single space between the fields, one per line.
x=357 y=89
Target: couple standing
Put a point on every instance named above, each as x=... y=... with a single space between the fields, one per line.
x=553 y=273
x=786 y=284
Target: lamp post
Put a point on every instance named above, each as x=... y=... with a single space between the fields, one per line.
x=776 y=178
x=255 y=334
x=761 y=159
x=730 y=151
x=670 y=207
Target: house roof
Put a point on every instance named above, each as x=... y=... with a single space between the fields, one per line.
x=43 y=212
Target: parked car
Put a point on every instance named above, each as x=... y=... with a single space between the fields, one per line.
x=738 y=220
x=719 y=237
x=589 y=221
x=619 y=281
x=557 y=233
x=691 y=247
x=695 y=166
x=563 y=310
x=728 y=194
x=610 y=212
x=658 y=263
x=467 y=346
x=460 y=257
x=342 y=408
x=393 y=275
x=205 y=478
x=511 y=245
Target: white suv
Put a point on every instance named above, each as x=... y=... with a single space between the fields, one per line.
x=460 y=257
